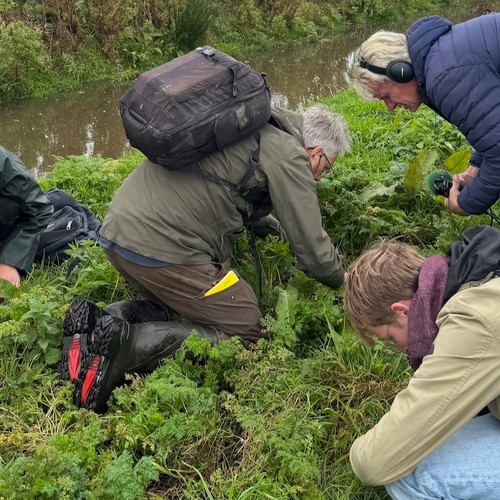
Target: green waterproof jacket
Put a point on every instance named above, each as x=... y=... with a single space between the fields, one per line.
x=181 y=217
x=19 y=247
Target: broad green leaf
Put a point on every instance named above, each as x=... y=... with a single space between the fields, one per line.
x=43 y=343
x=458 y=162
x=418 y=168
x=52 y=329
x=376 y=189
x=413 y=178
x=285 y=307
x=428 y=157
x=7 y=289
x=35 y=353
x=52 y=355
x=31 y=334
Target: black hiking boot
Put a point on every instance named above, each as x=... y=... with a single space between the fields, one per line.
x=117 y=347
x=80 y=320
x=91 y=386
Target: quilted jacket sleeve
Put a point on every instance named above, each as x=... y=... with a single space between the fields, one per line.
x=478 y=118
x=463 y=83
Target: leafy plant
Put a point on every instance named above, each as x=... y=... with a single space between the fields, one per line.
x=23 y=60
x=220 y=421
x=190 y=23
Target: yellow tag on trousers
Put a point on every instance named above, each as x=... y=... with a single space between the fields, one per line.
x=229 y=280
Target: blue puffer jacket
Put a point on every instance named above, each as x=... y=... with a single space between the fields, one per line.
x=458 y=73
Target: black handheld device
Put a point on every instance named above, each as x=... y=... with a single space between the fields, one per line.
x=440 y=182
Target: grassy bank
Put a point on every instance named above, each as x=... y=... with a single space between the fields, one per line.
x=275 y=422
x=52 y=45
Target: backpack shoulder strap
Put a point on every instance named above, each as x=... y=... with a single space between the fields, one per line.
x=241 y=186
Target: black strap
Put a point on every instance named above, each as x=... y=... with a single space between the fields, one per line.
x=72 y=266
x=256 y=258
x=215 y=178
x=253 y=162
x=230 y=65
x=241 y=187
x=493 y=217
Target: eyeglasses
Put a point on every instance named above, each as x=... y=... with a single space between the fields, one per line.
x=376 y=93
x=323 y=155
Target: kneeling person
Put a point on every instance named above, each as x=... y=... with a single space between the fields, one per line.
x=168 y=233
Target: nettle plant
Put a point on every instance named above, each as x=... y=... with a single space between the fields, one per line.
x=30 y=322
x=380 y=188
x=274 y=421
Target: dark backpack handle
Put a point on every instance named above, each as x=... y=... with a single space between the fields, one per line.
x=212 y=56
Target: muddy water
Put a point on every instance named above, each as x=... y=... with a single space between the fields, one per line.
x=87 y=121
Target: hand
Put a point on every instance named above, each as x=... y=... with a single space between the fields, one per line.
x=10 y=273
x=466 y=177
x=452 y=202
x=459 y=182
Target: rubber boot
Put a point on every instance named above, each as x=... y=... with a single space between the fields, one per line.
x=139 y=311
x=80 y=321
x=118 y=347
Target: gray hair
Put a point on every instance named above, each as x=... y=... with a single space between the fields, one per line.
x=324 y=128
x=380 y=49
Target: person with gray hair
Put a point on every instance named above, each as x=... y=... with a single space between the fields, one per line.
x=454 y=70
x=169 y=232
x=321 y=126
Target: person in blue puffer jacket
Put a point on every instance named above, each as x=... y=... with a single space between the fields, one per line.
x=454 y=70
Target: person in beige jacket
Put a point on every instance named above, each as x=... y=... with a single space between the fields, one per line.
x=169 y=232
x=441 y=437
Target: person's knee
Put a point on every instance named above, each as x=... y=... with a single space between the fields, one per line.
x=405 y=488
x=249 y=334
x=464 y=466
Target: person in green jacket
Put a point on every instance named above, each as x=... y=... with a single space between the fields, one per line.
x=24 y=214
x=441 y=436
x=169 y=232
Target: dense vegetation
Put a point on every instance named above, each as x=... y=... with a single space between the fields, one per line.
x=50 y=45
x=275 y=422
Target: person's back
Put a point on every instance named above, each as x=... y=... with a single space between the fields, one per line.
x=180 y=217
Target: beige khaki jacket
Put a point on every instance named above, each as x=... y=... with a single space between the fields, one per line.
x=450 y=387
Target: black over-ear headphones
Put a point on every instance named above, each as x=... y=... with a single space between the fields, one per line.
x=399 y=70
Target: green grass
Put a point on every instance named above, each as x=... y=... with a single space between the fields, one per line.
x=275 y=422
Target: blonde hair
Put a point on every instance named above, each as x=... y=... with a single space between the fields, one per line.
x=384 y=274
x=380 y=49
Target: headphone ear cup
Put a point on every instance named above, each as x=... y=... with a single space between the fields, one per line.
x=400 y=71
